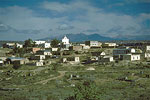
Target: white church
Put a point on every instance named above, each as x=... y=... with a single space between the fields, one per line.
x=65 y=41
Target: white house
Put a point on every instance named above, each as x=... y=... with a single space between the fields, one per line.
x=85 y=46
x=44 y=52
x=147 y=55
x=38 y=57
x=47 y=45
x=98 y=54
x=122 y=51
x=9 y=45
x=107 y=59
x=39 y=42
x=71 y=59
x=76 y=59
x=54 y=49
x=64 y=60
x=109 y=44
x=65 y=40
x=41 y=57
x=93 y=43
x=147 y=48
x=39 y=63
x=1 y=62
x=132 y=57
x=19 y=45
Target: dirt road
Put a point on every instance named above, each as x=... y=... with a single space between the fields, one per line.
x=62 y=73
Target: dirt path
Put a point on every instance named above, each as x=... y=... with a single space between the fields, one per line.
x=62 y=73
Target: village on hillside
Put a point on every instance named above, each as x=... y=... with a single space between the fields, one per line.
x=60 y=65
x=40 y=53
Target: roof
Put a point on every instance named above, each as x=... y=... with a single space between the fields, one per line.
x=122 y=49
x=47 y=51
x=135 y=53
x=15 y=58
x=107 y=56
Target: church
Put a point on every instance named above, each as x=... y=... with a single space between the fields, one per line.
x=65 y=40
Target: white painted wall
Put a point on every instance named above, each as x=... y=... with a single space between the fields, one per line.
x=103 y=54
x=54 y=49
x=111 y=44
x=47 y=45
x=147 y=48
x=132 y=50
x=77 y=59
x=147 y=55
x=1 y=62
x=48 y=53
x=19 y=45
x=39 y=42
x=65 y=40
x=135 y=57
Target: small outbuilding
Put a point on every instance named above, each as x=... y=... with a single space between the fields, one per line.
x=37 y=57
x=39 y=63
x=44 y=52
x=107 y=59
x=76 y=48
x=34 y=50
x=71 y=59
x=97 y=54
x=1 y=62
x=132 y=57
x=17 y=60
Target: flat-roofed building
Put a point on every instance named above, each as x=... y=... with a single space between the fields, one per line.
x=106 y=59
x=93 y=43
x=39 y=42
x=76 y=48
x=132 y=57
x=1 y=62
x=34 y=50
x=38 y=57
x=17 y=60
x=44 y=52
x=109 y=45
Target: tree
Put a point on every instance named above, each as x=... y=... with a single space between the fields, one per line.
x=55 y=42
x=16 y=49
x=29 y=43
x=85 y=91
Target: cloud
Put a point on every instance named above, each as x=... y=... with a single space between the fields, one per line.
x=65 y=27
x=62 y=18
x=73 y=6
x=3 y=27
x=55 y=6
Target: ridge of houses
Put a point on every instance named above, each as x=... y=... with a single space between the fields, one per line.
x=40 y=54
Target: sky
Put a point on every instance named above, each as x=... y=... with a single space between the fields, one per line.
x=37 y=19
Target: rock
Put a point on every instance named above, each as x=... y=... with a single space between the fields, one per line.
x=90 y=68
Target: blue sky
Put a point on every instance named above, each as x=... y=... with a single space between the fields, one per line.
x=23 y=19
